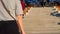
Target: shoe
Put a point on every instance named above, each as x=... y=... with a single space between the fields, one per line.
x=58 y=15
x=54 y=13
x=59 y=23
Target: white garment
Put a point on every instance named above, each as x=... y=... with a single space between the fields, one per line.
x=14 y=6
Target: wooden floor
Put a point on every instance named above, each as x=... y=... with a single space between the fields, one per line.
x=39 y=21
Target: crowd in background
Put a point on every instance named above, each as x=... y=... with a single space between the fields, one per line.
x=41 y=2
x=27 y=4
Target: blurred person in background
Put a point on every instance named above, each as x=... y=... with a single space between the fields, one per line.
x=58 y=7
x=44 y=2
x=41 y=1
x=27 y=7
x=23 y=7
x=47 y=3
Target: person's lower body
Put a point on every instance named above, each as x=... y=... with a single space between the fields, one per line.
x=42 y=4
x=9 y=27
